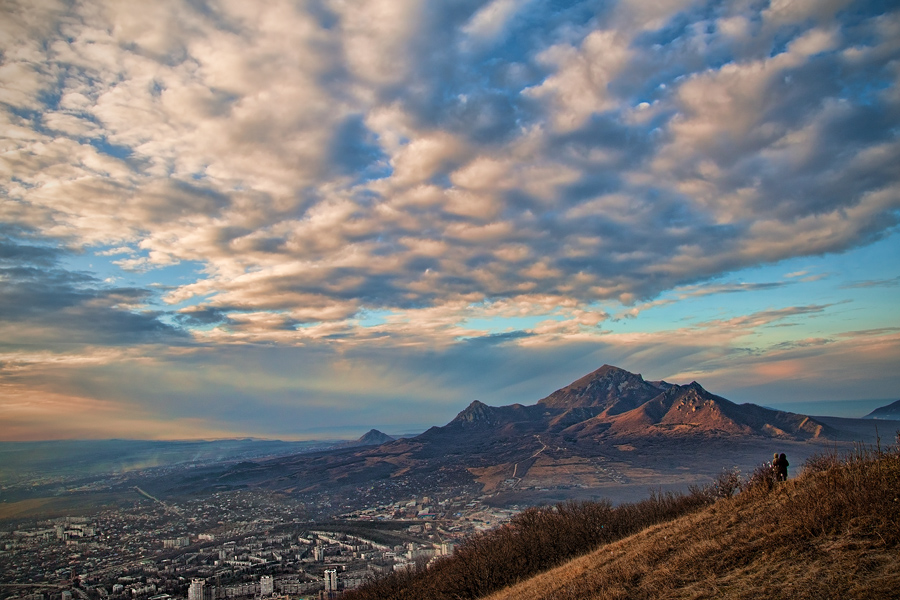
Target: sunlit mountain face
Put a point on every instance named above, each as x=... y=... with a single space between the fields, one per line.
x=309 y=220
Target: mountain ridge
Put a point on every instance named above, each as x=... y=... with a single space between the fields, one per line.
x=621 y=403
x=609 y=433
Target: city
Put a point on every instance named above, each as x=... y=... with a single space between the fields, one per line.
x=236 y=544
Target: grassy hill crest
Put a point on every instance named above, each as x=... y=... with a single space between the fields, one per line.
x=831 y=532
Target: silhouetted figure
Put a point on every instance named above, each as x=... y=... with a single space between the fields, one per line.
x=780 y=464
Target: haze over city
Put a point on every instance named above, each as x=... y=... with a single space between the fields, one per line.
x=307 y=219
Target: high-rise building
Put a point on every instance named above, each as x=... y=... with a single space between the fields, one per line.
x=331 y=580
x=195 y=592
x=266 y=585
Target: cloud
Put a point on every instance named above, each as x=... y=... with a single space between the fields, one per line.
x=491 y=20
x=579 y=86
x=250 y=142
x=439 y=164
x=45 y=304
x=892 y=282
x=769 y=317
x=280 y=391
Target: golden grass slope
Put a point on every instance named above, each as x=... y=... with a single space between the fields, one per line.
x=834 y=532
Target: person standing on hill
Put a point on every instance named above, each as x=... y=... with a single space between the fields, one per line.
x=780 y=464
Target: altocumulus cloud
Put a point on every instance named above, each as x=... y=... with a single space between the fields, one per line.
x=393 y=171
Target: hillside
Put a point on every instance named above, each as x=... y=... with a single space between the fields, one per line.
x=823 y=535
x=832 y=532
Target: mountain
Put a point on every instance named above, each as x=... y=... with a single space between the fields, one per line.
x=610 y=433
x=373 y=438
x=616 y=403
x=889 y=412
x=624 y=404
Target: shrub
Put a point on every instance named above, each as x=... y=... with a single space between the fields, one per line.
x=762 y=480
x=533 y=541
x=859 y=491
x=727 y=484
x=819 y=463
x=857 y=496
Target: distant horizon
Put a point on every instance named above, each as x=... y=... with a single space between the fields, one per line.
x=870 y=405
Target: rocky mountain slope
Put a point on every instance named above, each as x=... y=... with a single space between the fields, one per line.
x=615 y=403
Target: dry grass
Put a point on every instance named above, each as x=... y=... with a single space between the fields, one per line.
x=534 y=541
x=55 y=506
x=834 y=532
x=10 y=510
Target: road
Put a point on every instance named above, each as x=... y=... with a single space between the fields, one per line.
x=535 y=455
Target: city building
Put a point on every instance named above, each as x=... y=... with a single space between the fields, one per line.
x=266 y=585
x=331 y=582
x=195 y=592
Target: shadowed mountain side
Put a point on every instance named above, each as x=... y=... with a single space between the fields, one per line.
x=891 y=412
x=869 y=430
x=479 y=415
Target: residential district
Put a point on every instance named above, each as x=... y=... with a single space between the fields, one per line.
x=237 y=544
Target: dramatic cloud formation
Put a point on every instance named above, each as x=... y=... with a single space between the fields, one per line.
x=283 y=218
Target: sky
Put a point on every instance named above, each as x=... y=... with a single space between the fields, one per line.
x=307 y=219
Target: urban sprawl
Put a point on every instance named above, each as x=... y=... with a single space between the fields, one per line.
x=239 y=544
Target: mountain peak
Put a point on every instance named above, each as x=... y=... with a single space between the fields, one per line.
x=621 y=403
x=371 y=438
x=374 y=438
x=476 y=412
x=608 y=388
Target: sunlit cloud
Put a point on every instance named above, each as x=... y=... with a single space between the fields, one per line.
x=507 y=175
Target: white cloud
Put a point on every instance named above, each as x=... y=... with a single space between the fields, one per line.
x=423 y=157
x=579 y=86
x=378 y=36
x=786 y=12
x=491 y=19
